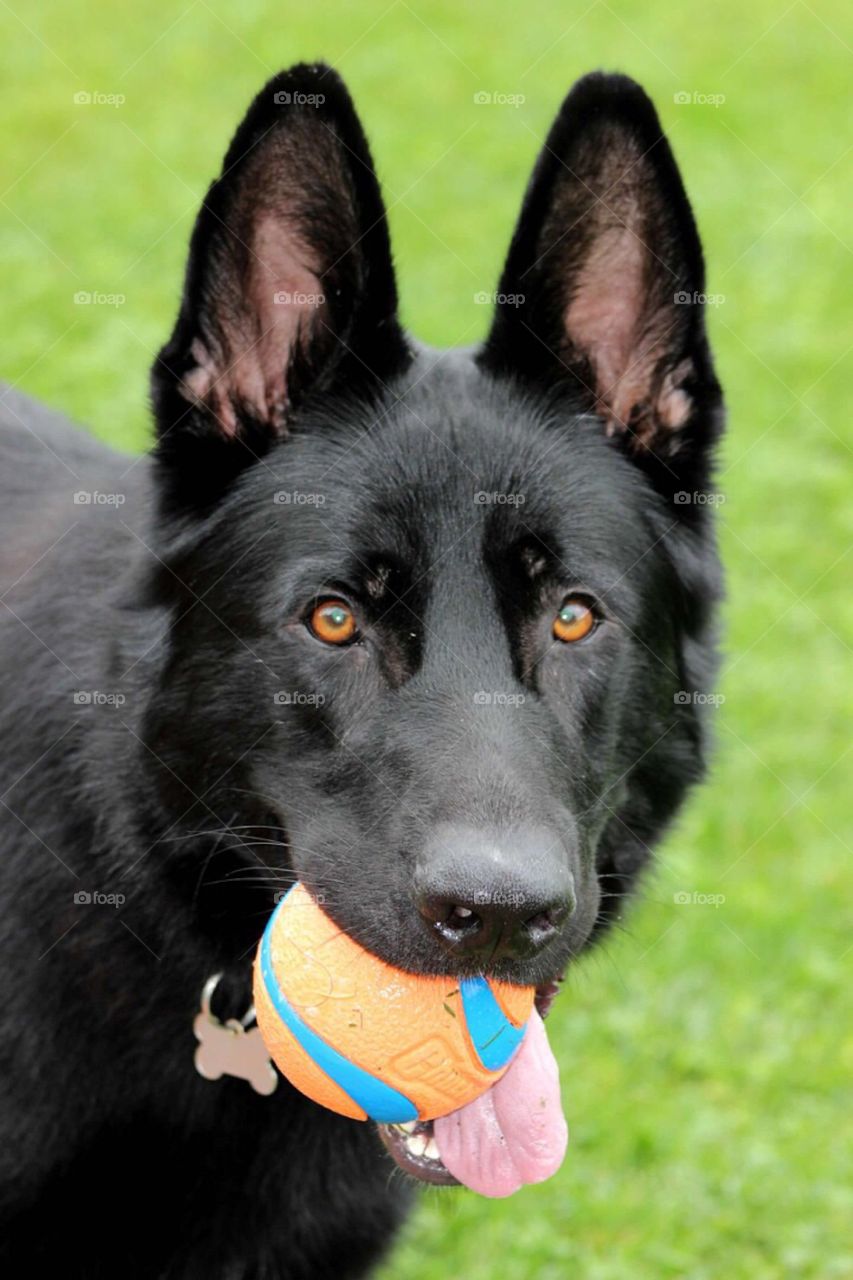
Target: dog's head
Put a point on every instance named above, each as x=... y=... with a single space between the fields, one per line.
x=438 y=620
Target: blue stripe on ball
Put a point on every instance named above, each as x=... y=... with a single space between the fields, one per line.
x=379 y=1100
x=494 y=1037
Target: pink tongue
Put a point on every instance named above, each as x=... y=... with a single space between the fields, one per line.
x=516 y=1132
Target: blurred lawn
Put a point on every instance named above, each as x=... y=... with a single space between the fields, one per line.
x=707 y=1054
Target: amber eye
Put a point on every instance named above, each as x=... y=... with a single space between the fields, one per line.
x=574 y=621
x=333 y=622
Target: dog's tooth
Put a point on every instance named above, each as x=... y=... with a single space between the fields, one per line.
x=431 y=1150
x=408 y=1126
x=417 y=1145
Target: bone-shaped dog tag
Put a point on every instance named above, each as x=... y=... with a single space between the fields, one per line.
x=228 y=1049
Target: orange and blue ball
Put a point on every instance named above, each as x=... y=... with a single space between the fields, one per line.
x=368 y=1040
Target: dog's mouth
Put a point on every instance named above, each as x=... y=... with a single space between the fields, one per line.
x=414 y=1148
x=514 y=1134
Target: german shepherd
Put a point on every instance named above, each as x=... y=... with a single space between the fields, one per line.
x=430 y=632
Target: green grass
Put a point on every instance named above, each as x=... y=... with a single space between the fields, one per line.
x=706 y=1054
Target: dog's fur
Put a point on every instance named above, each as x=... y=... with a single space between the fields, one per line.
x=309 y=448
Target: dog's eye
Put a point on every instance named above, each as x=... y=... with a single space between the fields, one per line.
x=575 y=620
x=333 y=622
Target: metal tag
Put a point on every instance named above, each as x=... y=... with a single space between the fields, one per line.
x=229 y=1049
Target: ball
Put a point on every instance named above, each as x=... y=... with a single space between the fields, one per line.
x=368 y=1040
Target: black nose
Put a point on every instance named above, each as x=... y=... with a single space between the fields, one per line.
x=490 y=895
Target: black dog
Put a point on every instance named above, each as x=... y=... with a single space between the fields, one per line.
x=422 y=630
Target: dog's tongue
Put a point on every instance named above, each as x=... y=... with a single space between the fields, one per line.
x=516 y=1132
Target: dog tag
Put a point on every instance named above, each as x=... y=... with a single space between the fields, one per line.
x=229 y=1049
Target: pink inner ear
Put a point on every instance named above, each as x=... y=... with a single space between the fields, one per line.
x=279 y=298
x=602 y=319
x=617 y=321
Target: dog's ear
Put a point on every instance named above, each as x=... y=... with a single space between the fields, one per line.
x=603 y=287
x=289 y=287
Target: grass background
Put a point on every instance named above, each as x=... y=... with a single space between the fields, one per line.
x=706 y=1054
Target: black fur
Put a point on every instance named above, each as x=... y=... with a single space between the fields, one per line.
x=197 y=790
